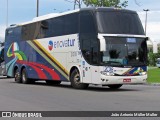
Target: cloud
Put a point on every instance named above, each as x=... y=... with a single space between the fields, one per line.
x=153 y=24
x=2 y=32
x=152 y=16
x=153 y=30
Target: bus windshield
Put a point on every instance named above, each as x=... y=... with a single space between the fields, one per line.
x=124 y=52
x=116 y=22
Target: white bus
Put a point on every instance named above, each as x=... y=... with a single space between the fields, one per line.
x=101 y=46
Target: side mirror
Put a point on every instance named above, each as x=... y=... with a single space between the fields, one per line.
x=102 y=43
x=147 y=38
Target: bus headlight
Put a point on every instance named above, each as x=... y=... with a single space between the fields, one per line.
x=107 y=73
x=143 y=73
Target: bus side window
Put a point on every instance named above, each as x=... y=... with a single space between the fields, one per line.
x=41 y=29
x=31 y=31
x=71 y=24
x=88 y=37
x=56 y=27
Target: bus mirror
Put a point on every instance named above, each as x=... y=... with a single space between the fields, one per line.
x=102 y=43
x=147 y=38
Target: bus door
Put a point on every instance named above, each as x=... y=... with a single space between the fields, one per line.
x=86 y=72
x=88 y=43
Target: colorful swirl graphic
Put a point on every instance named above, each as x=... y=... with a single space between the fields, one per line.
x=20 y=58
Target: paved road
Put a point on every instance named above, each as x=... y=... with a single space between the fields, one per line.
x=42 y=97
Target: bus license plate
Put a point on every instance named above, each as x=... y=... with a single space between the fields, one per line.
x=128 y=80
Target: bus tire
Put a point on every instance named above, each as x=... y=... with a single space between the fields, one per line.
x=17 y=76
x=75 y=80
x=115 y=86
x=52 y=82
x=25 y=80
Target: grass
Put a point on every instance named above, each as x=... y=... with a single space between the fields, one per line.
x=154 y=75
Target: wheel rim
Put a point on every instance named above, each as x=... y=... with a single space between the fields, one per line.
x=23 y=77
x=77 y=79
x=16 y=75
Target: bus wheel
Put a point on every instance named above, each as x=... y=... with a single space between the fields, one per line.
x=17 y=76
x=115 y=86
x=51 y=82
x=25 y=80
x=75 y=81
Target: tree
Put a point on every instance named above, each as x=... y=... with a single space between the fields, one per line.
x=152 y=58
x=106 y=3
x=76 y=2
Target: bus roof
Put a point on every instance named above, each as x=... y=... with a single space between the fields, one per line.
x=52 y=15
x=48 y=16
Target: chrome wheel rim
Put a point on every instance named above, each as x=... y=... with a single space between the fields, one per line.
x=23 y=77
x=77 y=78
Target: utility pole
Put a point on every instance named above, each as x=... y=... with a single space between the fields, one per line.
x=37 y=8
x=7 y=15
x=146 y=10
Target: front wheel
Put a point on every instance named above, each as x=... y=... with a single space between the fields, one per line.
x=115 y=86
x=75 y=81
x=25 y=80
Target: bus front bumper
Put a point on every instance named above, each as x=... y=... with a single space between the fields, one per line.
x=109 y=80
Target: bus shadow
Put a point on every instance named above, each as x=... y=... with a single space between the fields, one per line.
x=106 y=89
x=90 y=88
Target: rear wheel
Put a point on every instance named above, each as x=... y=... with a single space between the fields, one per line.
x=17 y=76
x=115 y=86
x=25 y=80
x=75 y=80
x=51 y=82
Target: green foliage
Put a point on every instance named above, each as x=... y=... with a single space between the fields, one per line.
x=106 y=3
x=152 y=58
x=154 y=75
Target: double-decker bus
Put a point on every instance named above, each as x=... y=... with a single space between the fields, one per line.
x=101 y=46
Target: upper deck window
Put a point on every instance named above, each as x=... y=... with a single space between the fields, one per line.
x=119 y=22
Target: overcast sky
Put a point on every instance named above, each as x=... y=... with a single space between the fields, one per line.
x=25 y=10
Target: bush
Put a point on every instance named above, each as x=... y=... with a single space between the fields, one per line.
x=152 y=58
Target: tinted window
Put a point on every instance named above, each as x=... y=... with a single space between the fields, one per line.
x=125 y=51
x=56 y=26
x=31 y=31
x=87 y=23
x=42 y=29
x=119 y=23
x=63 y=25
x=88 y=37
x=71 y=24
